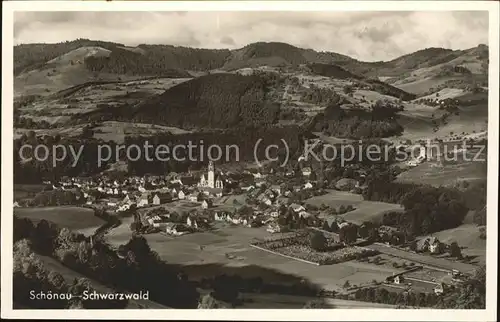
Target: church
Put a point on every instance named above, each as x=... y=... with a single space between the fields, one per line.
x=210 y=181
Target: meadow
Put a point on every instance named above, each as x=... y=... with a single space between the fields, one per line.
x=74 y=218
x=227 y=250
x=365 y=210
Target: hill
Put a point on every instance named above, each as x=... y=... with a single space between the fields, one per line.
x=418 y=72
x=265 y=53
x=465 y=69
x=61 y=72
x=33 y=56
x=212 y=101
x=157 y=60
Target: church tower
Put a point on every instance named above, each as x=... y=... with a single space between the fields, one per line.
x=211 y=175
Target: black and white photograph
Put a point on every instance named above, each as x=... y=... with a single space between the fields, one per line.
x=291 y=157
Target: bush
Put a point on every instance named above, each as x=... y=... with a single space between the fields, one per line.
x=318 y=241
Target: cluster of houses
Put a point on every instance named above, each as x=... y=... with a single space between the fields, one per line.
x=437 y=286
x=121 y=195
x=402 y=280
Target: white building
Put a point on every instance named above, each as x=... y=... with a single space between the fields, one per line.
x=210 y=181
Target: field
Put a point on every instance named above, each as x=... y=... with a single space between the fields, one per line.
x=467 y=237
x=365 y=210
x=227 y=250
x=424 y=259
x=447 y=172
x=22 y=191
x=74 y=218
x=117 y=131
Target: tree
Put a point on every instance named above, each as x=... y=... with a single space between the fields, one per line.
x=326 y=227
x=346 y=284
x=348 y=233
x=209 y=302
x=318 y=241
x=455 y=250
x=413 y=245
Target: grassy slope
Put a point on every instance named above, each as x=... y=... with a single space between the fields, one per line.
x=74 y=218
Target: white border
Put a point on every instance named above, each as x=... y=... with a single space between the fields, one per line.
x=489 y=314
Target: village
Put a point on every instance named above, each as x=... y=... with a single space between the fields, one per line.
x=194 y=203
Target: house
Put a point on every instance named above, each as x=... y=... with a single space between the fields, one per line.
x=439 y=289
x=248 y=188
x=276 y=189
x=220 y=216
x=206 y=204
x=257 y=175
x=143 y=200
x=191 y=222
x=123 y=207
x=274 y=214
x=306 y=171
x=297 y=208
x=193 y=197
x=264 y=199
x=161 y=198
x=16 y=204
x=412 y=163
x=260 y=182
x=176 y=229
x=308 y=185
x=275 y=228
x=304 y=214
x=398 y=279
x=181 y=195
x=431 y=244
x=435 y=246
x=127 y=200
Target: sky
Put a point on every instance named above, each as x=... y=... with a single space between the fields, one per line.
x=367 y=36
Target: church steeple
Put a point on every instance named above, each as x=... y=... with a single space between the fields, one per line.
x=211 y=175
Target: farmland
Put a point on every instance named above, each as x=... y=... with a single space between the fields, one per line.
x=432 y=261
x=74 y=218
x=447 y=172
x=227 y=250
x=22 y=191
x=467 y=236
x=365 y=210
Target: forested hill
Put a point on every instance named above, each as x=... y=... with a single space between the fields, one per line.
x=211 y=101
x=32 y=56
x=157 y=59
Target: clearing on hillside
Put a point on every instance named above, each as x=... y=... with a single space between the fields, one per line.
x=74 y=218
